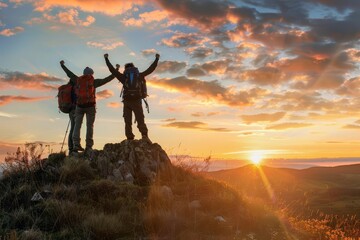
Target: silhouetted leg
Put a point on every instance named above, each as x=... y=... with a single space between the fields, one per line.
x=140 y=118
x=90 y=119
x=72 y=125
x=128 y=120
x=79 y=115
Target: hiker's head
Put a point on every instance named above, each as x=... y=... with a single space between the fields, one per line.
x=129 y=65
x=89 y=71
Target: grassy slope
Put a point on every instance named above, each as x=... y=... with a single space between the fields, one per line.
x=80 y=204
x=316 y=203
x=333 y=190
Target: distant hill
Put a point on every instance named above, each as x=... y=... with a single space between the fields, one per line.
x=332 y=190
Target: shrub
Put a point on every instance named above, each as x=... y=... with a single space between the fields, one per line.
x=105 y=226
x=76 y=170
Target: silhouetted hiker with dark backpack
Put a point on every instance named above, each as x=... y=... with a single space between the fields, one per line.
x=84 y=89
x=134 y=90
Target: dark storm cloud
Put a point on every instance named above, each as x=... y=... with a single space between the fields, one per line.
x=338 y=30
x=339 y=5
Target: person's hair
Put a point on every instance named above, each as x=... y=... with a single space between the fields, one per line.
x=128 y=65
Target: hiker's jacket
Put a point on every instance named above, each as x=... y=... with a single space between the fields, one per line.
x=97 y=82
x=121 y=77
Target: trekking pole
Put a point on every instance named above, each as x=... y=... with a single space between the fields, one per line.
x=65 y=136
x=147 y=105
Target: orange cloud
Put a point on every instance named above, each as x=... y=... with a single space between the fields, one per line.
x=21 y=80
x=104 y=94
x=69 y=17
x=146 y=18
x=264 y=76
x=202 y=114
x=105 y=45
x=114 y=105
x=170 y=66
x=199 y=52
x=204 y=14
x=7 y=99
x=288 y=125
x=210 y=90
x=180 y=39
x=3 y=5
x=195 y=125
x=263 y=117
x=11 y=31
x=351 y=126
x=108 y=7
x=149 y=52
x=350 y=87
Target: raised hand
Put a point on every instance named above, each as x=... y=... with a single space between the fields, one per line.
x=157 y=56
x=117 y=66
x=62 y=62
x=106 y=55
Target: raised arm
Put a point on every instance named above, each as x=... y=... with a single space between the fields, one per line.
x=152 y=66
x=113 y=70
x=100 y=82
x=69 y=73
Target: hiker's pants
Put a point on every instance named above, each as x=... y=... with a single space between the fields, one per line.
x=72 y=125
x=135 y=106
x=90 y=119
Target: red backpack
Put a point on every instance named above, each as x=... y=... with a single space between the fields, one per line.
x=85 y=90
x=65 y=101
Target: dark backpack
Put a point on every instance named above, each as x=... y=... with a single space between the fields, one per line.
x=134 y=86
x=66 y=98
x=85 y=90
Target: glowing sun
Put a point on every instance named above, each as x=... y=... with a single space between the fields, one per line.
x=256 y=157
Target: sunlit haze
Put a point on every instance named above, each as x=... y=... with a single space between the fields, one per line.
x=237 y=80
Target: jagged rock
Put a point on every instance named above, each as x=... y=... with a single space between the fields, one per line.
x=37 y=197
x=220 y=219
x=117 y=175
x=166 y=192
x=195 y=204
x=129 y=178
x=135 y=161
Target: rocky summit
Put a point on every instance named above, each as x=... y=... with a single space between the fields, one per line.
x=127 y=190
x=135 y=161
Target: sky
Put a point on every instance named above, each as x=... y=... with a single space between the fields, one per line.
x=237 y=79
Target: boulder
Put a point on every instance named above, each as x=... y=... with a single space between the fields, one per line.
x=133 y=161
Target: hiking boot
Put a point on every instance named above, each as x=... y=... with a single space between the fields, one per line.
x=88 y=151
x=146 y=139
x=78 y=148
x=74 y=153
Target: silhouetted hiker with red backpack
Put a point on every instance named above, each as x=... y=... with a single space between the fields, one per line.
x=84 y=89
x=134 y=90
x=67 y=101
